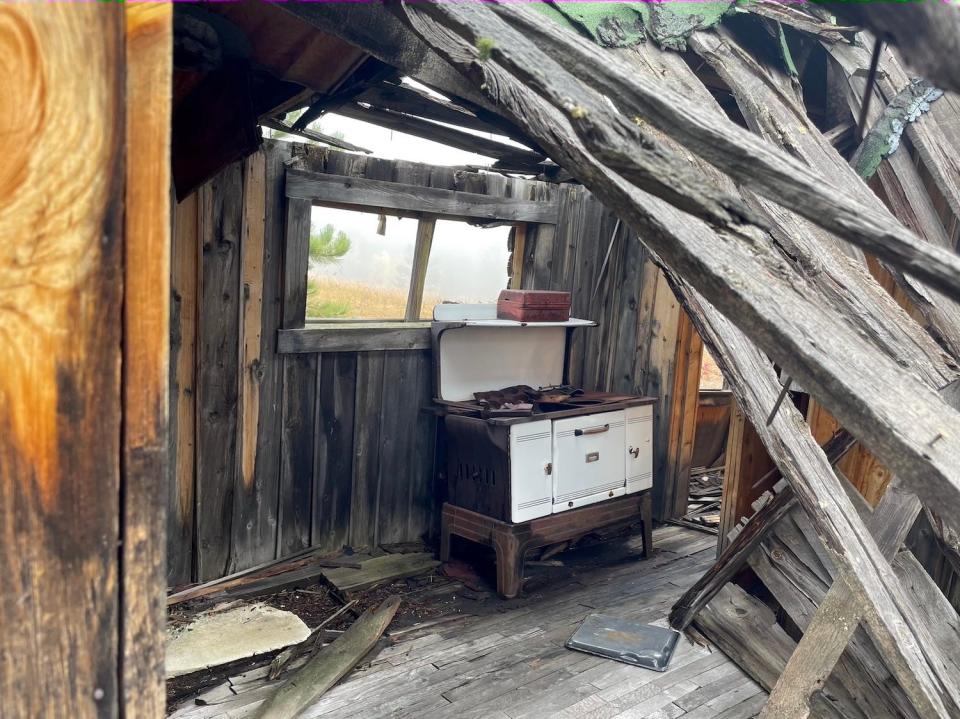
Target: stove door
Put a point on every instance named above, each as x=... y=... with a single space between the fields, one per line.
x=588 y=459
x=639 y=448
x=530 y=488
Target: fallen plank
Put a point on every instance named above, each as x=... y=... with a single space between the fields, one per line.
x=838 y=616
x=380 y=569
x=305 y=560
x=746 y=631
x=330 y=665
x=734 y=557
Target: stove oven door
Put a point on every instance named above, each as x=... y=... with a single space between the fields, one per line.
x=588 y=459
x=639 y=454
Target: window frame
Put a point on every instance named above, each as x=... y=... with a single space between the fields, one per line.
x=305 y=189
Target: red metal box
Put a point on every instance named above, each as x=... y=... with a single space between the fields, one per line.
x=534 y=305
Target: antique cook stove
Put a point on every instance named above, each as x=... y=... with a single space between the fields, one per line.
x=531 y=461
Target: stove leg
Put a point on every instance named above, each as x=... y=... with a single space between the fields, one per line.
x=646 y=514
x=510 y=551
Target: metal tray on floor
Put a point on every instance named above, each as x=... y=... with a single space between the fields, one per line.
x=625 y=640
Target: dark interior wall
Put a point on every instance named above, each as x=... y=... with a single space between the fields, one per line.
x=273 y=452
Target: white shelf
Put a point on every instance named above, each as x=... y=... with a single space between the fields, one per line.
x=572 y=322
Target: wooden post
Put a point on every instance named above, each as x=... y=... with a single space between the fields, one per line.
x=146 y=350
x=683 y=417
x=746 y=462
x=83 y=346
x=421 y=256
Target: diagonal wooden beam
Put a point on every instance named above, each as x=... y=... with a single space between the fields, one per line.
x=715 y=263
x=840 y=612
x=838 y=615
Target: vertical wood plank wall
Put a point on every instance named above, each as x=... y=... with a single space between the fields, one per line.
x=340 y=448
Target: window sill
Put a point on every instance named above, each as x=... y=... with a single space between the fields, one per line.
x=354 y=336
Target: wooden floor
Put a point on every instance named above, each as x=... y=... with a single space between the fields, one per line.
x=512 y=664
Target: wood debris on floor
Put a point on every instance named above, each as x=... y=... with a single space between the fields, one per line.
x=511 y=662
x=703 y=504
x=377 y=570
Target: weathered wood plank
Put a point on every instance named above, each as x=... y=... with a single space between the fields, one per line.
x=511 y=155
x=683 y=417
x=746 y=631
x=181 y=505
x=746 y=473
x=388 y=195
x=61 y=322
x=734 y=557
x=297 y=452
x=380 y=569
x=146 y=354
x=333 y=463
x=354 y=337
x=517 y=250
x=400 y=406
x=772 y=173
x=418 y=275
x=661 y=368
x=218 y=353
x=296 y=258
x=253 y=536
x=364 y=499
x=266 y=482
x=424 y=495
x=411 y=101
x=838 y=616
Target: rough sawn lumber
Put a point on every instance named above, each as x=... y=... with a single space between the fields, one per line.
x=734 y=557
x=900 y=420
x=330 y=664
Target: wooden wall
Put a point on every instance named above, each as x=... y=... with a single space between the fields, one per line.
x=272 y=452
x=642 y=337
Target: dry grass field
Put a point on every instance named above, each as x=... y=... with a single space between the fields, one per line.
x=331 y=297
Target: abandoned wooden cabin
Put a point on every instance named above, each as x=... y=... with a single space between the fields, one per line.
x=275 y=442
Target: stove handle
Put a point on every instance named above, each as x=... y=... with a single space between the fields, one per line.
x=592 y=430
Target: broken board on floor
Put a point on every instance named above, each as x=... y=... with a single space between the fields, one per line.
x=379 y=570
x=221 y=636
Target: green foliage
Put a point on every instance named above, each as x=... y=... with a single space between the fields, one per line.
x=328 y=245
x=328 y=309
x=320 y=308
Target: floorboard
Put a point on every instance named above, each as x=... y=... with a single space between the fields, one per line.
x=513 y=664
